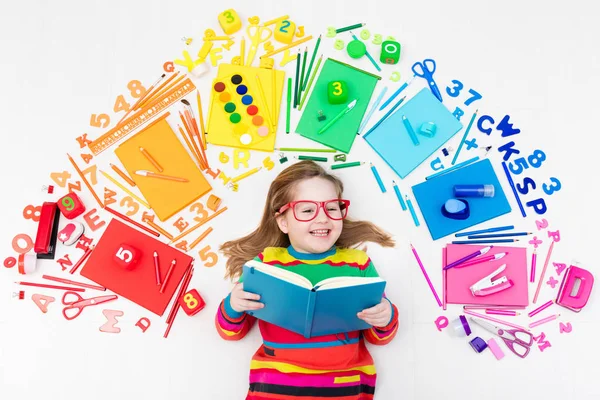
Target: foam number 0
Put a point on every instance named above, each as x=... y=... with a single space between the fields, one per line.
x=190 y=301
x=455 y=91
x=121 y=104
x=338 y=89
x=136 y=89
x=205 y=254
x=198 y=208
x=33 y=213
x=284 y=26
x=99 y=121
x=555 y=187
x=132 y=206
x=124 y=255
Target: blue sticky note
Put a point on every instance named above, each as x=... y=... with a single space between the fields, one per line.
x=433 y=193
x=392 y=141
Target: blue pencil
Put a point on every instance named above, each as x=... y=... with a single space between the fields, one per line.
x=372 y=110
x=496 y=229
x=412 y=211
x=457 y=166
x=484 y=241
x=399 y=196
x=384 y=117
x=462 y=141
x=512 y=186
x=378 y=178
x=396 y=93
x=498 y=235
x=368 y=55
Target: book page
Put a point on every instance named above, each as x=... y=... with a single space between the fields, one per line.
x=345 y=281
x=281 y=273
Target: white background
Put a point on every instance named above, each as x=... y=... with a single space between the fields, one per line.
x=536 y=61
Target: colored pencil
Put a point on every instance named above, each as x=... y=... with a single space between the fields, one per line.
x=484 y=241
x=158 y=228
x=396 y=93
x=129 y=192
x=298 y=62
x=242 y=50
x=410 y=131
x=302 y=71
x=151 y=159
x=496 y=229
x=122 y=175
x=457 y=166
x=188 y=132
x=146 y=93
x=425 y=275
x=468 y=257
x=498 y=235
x=544 y=320
x=176 y=305
x=540 y=308
x=310 y=81
x=347 y=165
x=70 y=282
x=483 y=316
x=274 y=96
x=157 y=89
x=533 y=262
x=189 y=145
x=132 y=222
x=182 y=288
x=168 y=276
x=245 y=174
x=276 y=20
x=514 y=190
x=150 y=174
x=289 y=105
x=289 y=46
x=347 y=28
x=43 y=285
x=201 y=237
x=313 y=158
x=157 y=269
x=305 y=150
x=201 y=117
x=84 y=179
x=377 y=67
x=509 y=313
x=384 y=117
x=85 y=255
x=412 y=211
x=462 y=141
x=537 y=291
x=198 y=225
x=444 y=279
x=162 y=89
x=378 y=178
x=263 y=99
x=399 y=196
x=372 y=110
x=479 y=260
x=312 y=60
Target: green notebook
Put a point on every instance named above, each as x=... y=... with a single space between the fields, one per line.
x=360 y=86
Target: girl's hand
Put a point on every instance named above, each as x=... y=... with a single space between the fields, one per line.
x=242 y=301
x=378 y=316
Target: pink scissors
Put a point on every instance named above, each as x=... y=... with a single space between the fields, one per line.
x=517 y=340
x=79 y=303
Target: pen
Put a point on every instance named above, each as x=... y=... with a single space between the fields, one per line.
x=340 y=115
x=468 y=257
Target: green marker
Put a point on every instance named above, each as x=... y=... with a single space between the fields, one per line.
x=347 y=165
x=313 y=158
x=289 y=105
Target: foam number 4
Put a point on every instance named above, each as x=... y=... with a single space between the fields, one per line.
x=121 y=104
x=33 y=213
x=205 y=255
x=99 y=121
x=60 y=178
x=190 y=301
x=136 y=89
x=124 y=255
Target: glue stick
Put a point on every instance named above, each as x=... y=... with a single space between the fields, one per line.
x=460 y=327
x=474 y=190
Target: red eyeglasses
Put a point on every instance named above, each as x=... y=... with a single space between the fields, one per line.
x=307 y=210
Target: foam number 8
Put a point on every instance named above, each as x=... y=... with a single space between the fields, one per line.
x=455 y=91
x=136 y=88
x=537 y=158
x=33 y=213
x=555 y=187
x=190 y=301
x=68 y=203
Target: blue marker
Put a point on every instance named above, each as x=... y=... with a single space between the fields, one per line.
x=410 y=130
x=396 y=93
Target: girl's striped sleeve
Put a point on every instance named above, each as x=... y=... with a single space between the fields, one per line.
x=232 y=325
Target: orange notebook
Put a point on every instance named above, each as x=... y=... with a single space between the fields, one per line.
x=138 y=284
x=166 y=197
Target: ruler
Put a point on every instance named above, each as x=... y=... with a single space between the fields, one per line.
x=142 y=116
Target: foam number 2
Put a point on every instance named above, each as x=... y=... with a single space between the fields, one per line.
x=136 y=89
x=190 y=301
x=284 y=26
x=205 y=255
x=33 y=213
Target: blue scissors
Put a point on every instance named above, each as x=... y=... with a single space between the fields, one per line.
x=517 y=340
x=78 y=303
x=425 y=70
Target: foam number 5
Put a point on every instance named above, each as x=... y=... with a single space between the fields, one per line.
x=337 y=89
x=124 y=255
x=555 y=187
x=198 y=208
x=136 y=89
x=99 y=121
x=205 y=254
x=33 y=213
x=190 y=301
x=521 y=163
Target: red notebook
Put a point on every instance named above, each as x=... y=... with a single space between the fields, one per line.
x=138 y=284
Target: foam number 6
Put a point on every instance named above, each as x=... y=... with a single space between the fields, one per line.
x=205 y=254
x=337 y=89
x=136 y=89
x=68 y=203
x=33 y=213
x=190 y=301
x=455 y=91
x=99 y=121
x=555 y=187
x=124 y=255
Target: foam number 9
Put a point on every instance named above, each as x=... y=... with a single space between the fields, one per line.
x=555 y=187
x=190 y=301
x=68 y=203
x=455 y=91
x=124 y=255
x=205 y=254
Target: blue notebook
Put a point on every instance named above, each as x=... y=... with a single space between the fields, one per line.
x=293 y=303
x=392 y=142
x=433 y=193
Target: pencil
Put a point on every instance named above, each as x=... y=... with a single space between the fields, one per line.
x=242 y=50
x=347 y=28
x=298 y=61
x=182 y=289
x=289 y=105
x=372 y=110
x=159 y=89
x=509 y=313
x=188 y=131
x=313 y=158
x=84 y=179
x=498 y=235
x=245 y=174
x=462 y=141
x=457 y=166
x=275 y=20
x=132 y=222
x=176 y=305
x=70 y=282
x=148 y=91
x=305 y=150
x=300 y=85
x=399 y=196
x=289 y=46
x=43 y=285
x=378 y=178
x=396 y=93
x=200 y=238
x=129 y=192
x=540 y=308
x=196 y=133
x=201 y=118
x=537 y=291
x=514 y=190
x=168 y=276
x=377 y=67
x=347 y=165
x=533 y=260
x=310 y=81
x=158 y=228
x=263 y=99
x=496 y=229
x=312 y=60
x=485 y=241
x=274 y=97
x=156 y=269
x=189 y=145
x=412 y=211
x=543 y=320
x=142 y=172
x=198 y=225
x=81 y=260
x=122 y=175
x=444 y=279
x=425 y=275
x=165 y=88
x=482 y=316
x=151 y=159
x=384 y=117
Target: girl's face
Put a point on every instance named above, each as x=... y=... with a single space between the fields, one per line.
x=319 y=234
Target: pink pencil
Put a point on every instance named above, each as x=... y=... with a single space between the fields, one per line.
x=444 y=277
x=494 y=320
x=543 y=320
x=508 y=313
x=537 y=291
x=541 y=308
x=426 y=276
x=533 y=259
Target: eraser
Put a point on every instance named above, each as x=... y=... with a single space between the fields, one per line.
x=495 y=349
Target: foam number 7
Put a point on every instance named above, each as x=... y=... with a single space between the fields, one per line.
x=455 y=92
x=205 y=254
x=99 y=121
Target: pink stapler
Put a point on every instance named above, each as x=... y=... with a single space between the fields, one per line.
x=488 y=285
x=575 y=288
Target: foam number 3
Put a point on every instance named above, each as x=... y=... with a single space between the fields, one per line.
x=132 y=206
x=229 y=17
x=555 y=187
x=136 y=88
x=33 y=213
x=190 y=301
x=455 y=91
x=337 y=89
x=201 y=213
x=205 y=255
x=99 y=121
x=377 y=39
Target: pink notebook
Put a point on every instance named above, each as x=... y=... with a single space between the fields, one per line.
x=459 y=280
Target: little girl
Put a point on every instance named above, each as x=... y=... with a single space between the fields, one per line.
x=304 y=229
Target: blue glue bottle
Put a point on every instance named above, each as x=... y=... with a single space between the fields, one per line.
x=474 y=190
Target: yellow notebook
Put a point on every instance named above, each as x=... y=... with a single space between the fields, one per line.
x=166 y=197
x=238 y=116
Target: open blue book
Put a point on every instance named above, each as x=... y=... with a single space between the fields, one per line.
x=293 y=303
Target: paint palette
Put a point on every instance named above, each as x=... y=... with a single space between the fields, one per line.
x=239 y=116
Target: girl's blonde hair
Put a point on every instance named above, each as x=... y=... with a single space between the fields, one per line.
x=268 y=233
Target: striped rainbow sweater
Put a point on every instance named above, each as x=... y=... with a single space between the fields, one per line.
x=289 y=366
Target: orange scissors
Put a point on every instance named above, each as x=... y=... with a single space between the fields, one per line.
x=78 y=303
